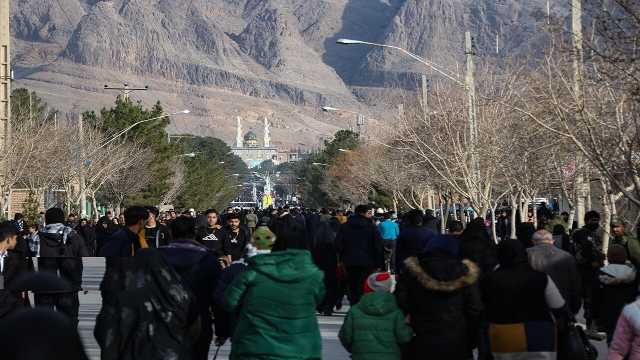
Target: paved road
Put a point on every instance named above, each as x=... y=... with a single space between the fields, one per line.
x=90 y=305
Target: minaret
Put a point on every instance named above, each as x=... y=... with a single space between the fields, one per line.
x=238 y=133
x=267 y=135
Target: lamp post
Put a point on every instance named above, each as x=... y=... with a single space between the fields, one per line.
x=359 y=116
x=468 y=85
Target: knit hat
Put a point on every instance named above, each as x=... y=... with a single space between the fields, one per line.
x=263 y=238
x=617 y=254
x=381 y=282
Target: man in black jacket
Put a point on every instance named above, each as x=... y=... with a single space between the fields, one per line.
x=235 y=238
x=60 y=252
x=11 y=266
x=156 y=234
x=126 y=241
x=211 y=234
x=360 y=249
x=198 y=267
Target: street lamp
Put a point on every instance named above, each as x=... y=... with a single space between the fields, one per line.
x=190 y=155
x=319 y=164
x=468 y=85
x=344 y=150
x=230 y=175
x=359 y=116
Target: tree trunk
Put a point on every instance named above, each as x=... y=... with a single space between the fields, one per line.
x=579 y=190
x=94 y=207
x=493 y=224
x=606 y=216
x=514 y=204
x=444 y=211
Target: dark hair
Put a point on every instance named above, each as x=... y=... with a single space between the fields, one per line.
x=153 y=210
x=592 y=214
x=54 y=216
x=558 y=229
x=183 y=228
x=564 y=213
x=414 y=217
x=71 y=215
x=7 y=230
x=210 y=211
x=133 y=214
x=233 y=216
x=18 y=216
x=362 y=209
x=455 y=226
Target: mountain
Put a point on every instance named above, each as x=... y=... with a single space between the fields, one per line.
x=251 y=58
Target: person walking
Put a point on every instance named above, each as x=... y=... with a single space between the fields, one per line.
x=275 y=299
x=325 y=257
x=156 y=234
x=616 y=288
x=199 y=271
x=476 y=245
x=235 y=238
x=620 y=236
x=626 y=338
x=389 y=231
x=251 y=220
x=360 y=250
x=561 y=266
x=438 y=291
x=130 y=238
x=519 y=303
x=375 y=328
x=11 y=267
x=211 y=235
x=413 y=238
x=589 y=257
x=61 y=252
x=88 y=234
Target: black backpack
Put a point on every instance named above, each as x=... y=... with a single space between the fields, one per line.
x=147 y=312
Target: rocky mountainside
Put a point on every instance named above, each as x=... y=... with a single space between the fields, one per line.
x=250 y=58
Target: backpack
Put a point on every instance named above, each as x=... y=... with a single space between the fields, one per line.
x=147 y=312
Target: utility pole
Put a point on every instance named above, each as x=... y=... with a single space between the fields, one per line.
x=81 y=178
x=471 y=98
x=425 y=94
x=125 y=90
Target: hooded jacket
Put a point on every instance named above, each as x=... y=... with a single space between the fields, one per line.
x=412 y=241
x=616 y=287
x=359 y=243
x=276 y=299
x=374 y=328
x=60 y=253
x=441 y=295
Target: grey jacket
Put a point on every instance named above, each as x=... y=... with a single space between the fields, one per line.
x=562 y=268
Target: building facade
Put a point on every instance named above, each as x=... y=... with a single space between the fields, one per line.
x=250 y=150
x=5 y=73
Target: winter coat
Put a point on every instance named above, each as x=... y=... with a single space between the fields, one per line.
x=477 y=246
x=14 y=266
x=88 y=234
x=389 y=230
x=198 y=267
x=518 y=303
x=562 y=268
x=276 y=300
x=626 y=339
x=234 y=245
x=105 y=228
x=411 y=242
x=441 y=295
x=359 y=244
x=251 y=220
x=224 y=320
x=61 y=252
x=158 y=236
x=616 y=288
x=374 y=328
x=122 y=243
x=632 y=245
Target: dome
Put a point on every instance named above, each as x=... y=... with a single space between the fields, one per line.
x=250 y=136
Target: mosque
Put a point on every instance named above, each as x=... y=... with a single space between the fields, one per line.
x=249 y=150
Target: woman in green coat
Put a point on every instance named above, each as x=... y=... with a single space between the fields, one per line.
x=275 y=300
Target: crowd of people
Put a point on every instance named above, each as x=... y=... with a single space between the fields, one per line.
x=176 y=283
